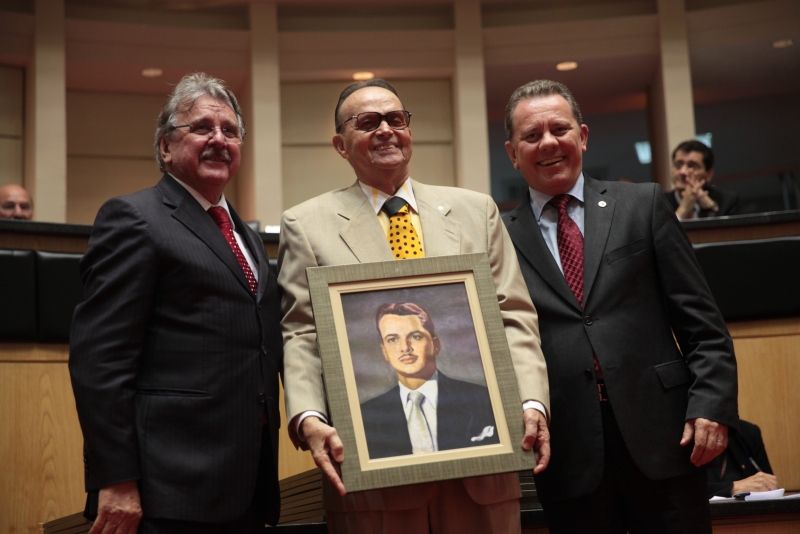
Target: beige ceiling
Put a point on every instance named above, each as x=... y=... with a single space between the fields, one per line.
x=615 y=43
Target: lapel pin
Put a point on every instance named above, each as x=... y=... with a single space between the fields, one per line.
x=602 y=203
x=441 y=208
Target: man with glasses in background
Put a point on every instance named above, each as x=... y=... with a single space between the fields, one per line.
x=176 y=350
x=356 y=225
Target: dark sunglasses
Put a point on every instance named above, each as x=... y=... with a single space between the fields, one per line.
x=371 y=120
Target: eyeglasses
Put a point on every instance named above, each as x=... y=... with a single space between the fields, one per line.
x=371 y=120
x=231 y=133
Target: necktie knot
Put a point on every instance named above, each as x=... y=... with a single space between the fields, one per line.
x=393 y=206
x=560 y=202
x=417 y=398
x=219 y=215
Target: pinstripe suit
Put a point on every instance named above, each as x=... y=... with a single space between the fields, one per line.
x=173 y=359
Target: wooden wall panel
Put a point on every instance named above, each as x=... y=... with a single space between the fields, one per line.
x=41 y=446
x=768 y=357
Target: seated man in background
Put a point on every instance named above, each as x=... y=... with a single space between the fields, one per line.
x=15 y=203
x=693 y=197
x=426 y=411
x=743 y=466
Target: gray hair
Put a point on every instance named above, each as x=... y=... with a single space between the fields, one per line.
x=538 y=89
x=183 y=97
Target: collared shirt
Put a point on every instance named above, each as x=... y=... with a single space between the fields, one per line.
x=378 y=198
x=430 y=389
x=224 y=205
x=547 y=216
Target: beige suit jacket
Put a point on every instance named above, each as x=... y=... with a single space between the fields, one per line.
x=341 y=227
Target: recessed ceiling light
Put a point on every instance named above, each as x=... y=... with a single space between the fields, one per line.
x=152 y=72
x=567 y=65
x=782 y=43
x=361 y=76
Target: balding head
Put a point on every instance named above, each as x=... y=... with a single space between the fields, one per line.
x=15 y=203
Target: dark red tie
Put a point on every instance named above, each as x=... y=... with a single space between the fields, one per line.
x=220 y=217
x=570 y=247
x=570 y=250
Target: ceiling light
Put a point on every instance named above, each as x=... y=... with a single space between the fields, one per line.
x=782 y=43
x=361 y=76
x=567 y=65
x=152 y=72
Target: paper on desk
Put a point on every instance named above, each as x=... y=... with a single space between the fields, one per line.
x=758 y=496
x=765 y=495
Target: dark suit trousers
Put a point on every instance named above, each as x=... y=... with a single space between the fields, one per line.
x=250 y=523
x=627 y=501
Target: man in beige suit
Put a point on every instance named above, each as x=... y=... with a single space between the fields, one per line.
x=349 y=226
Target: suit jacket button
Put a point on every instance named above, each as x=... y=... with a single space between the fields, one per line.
x=587 y=320
x=264 y=351
x=587 y=373
x=262 y=398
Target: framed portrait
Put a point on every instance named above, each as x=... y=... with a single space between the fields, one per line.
x=417 y=369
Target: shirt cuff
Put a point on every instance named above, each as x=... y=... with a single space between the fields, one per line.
x=309 y=413
x=536 y=405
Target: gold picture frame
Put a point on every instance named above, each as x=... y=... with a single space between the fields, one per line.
x=459 y=295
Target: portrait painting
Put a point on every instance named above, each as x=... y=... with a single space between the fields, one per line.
x=417 y=370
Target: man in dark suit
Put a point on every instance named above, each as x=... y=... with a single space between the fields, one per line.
x=613 y=277
x=693 y=196
x=744 y=466
x=176 y=350
x=447 y=413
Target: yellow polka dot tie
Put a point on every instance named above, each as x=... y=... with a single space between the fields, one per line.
x=403 y=238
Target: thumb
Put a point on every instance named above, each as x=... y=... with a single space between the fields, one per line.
x=688 y=433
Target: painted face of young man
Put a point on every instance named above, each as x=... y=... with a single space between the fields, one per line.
x=205 y=161
x=379 y=158
x=409 y=348
x=547 y=144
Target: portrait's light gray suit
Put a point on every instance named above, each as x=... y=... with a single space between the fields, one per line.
x=340 y=227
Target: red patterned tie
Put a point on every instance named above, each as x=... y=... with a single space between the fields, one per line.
x=570 y=250
x=570 y=247
x=220 y=217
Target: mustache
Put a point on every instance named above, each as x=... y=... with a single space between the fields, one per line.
x=216 y=153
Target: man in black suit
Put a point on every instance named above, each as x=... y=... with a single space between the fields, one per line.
x=175 y=351
x=693 y=196
x=449 y=413
x=613 y=277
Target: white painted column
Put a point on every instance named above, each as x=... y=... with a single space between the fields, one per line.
x=261 y=193
x=469 y=91
x=671 y=102
x=46 y=115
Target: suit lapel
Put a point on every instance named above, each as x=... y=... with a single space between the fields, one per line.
x=363 y=234
x=527 y=237
x=597 y=224
x=441 y=233
x=191 y=214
